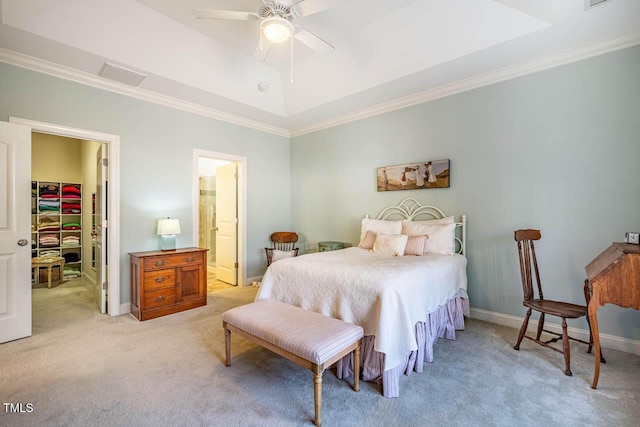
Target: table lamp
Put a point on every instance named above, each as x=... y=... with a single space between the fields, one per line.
x=167 y=230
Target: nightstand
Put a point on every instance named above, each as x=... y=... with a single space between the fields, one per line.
x=330 y=246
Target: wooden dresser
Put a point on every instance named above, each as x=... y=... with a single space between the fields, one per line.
x=165 y=282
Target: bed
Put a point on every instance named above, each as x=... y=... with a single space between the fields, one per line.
x=404 y=303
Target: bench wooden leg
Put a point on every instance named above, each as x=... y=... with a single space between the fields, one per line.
x=356 y=367
x=227 y=346
x=317 y=397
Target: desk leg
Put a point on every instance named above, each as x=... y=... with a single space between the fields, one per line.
x=593 y=320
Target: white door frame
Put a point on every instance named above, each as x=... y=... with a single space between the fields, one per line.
x=242 y=203
x=113 y=194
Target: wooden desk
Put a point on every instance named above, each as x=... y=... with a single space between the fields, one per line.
x=614 y=277
x=47 y=262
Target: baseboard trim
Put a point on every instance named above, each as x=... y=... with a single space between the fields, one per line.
x=251 y=280
x=125 y=308
x=606 y=341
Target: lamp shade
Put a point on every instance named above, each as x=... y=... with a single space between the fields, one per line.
x=168 y=226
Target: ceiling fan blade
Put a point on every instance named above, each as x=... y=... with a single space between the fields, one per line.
x=314 y=42
x=261 y=54
x=309 y=7
x=224 y=14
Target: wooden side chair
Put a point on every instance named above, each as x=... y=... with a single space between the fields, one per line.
x=564 y=310
x=283 y=245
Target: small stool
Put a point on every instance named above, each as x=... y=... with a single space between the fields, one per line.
x=49 y=263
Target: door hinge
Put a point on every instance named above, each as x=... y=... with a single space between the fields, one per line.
x=105 y=224
x=105 y=162
x=104 y=286
x=236 y=265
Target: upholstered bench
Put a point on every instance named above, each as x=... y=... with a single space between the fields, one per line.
x=309 y=339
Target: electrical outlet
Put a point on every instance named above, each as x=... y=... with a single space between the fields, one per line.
x=632 y=237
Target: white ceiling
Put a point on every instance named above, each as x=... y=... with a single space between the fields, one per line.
x=385 y=51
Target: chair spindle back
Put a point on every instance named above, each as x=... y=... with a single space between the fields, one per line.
x=527 y=256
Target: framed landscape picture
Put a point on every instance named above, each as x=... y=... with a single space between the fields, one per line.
x=413 y=176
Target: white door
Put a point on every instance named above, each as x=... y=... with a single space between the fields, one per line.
x=226 y=224
x=15 y=233
x=101 y=230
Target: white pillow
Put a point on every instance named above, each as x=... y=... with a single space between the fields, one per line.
x=390 y=244
x=278 y=255
x=441 y=236
x=408 y=223
x=379 y=226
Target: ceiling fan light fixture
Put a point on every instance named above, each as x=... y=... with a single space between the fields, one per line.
x=276 y=29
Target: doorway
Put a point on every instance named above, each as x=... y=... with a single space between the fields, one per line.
x=63 y=179
x=207 y=205
x=219 y=214
x=112 y=145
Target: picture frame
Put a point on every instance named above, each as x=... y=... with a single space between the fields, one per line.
x=414 y=176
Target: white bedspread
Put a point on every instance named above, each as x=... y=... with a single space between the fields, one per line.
x=385 y=295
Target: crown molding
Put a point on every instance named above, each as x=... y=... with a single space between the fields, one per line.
x=507 y=73
x=67 y=73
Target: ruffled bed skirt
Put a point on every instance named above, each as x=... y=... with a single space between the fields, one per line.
x=442 y=323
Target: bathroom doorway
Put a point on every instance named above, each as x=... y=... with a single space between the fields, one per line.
x=207 y=214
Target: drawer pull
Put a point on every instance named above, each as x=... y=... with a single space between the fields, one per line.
x=190 y=259
x=160 y=279
x=178 y=285
x=160 y=298
x=159 y=263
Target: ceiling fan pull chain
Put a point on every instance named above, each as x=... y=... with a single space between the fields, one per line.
x=291 y=38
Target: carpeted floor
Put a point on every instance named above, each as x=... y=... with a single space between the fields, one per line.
x=82 y=368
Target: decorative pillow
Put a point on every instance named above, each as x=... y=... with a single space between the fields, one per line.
x=441 y=237
x=390 y=244
x=379 y=226
x=408 y=224
x=369 y=240
x=278 y=255
x=416 y=245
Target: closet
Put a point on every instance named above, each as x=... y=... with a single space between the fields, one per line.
x=63 y=180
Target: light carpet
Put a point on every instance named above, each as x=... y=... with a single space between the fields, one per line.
x=82 y=368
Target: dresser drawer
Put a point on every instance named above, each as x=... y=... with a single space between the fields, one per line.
x=159 y=298
x=165 y=261
x=159 y=279
x=330 y=246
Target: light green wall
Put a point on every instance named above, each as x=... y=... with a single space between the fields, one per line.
x=558 y=150
x=156 y=149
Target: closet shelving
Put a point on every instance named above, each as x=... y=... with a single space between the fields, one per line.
x=56 y=223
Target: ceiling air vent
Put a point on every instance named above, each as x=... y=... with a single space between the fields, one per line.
x=120 y=74
x=588 y=4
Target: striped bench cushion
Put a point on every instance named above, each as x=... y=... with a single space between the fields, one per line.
x=307 y=334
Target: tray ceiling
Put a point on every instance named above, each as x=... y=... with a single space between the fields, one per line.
x=383 y=50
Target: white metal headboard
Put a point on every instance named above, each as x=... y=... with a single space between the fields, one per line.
x=411 y=209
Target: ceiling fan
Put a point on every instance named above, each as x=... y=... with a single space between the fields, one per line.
x=277 y=23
